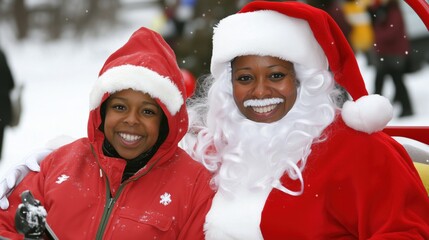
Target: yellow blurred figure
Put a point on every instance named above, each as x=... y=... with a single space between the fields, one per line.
x=361 y=36
x=423 y=170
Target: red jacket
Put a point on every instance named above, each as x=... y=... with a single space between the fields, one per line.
x=81 y=188
x=74 y=186
x=346 y=195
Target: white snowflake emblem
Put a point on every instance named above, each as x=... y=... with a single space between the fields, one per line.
x=62 y=178
x=165 y=199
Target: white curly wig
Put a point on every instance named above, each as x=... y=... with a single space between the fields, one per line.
x=242 y=152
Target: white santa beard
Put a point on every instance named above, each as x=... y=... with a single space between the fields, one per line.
x=268 y=149
x=237 y=214
x=236 y=218
x=250 y=162
x=248 y=157
x=254 y=155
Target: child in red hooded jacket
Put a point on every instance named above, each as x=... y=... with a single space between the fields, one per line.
x=128 y=179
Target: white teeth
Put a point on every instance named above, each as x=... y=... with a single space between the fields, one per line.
x=128 y=137
x=262 y=102
x=264 y=109
x=263 y=105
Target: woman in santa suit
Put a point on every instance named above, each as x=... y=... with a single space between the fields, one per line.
x=289 y=163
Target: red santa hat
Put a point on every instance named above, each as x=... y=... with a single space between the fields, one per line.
x=302 y=34
x=145 y=63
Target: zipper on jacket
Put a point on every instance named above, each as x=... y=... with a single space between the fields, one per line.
x=107 y=210
x=110 y=201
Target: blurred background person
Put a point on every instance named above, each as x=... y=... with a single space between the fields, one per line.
x=188 y=30
x=178 y=12
x=6 y=86
x=391 y=50
x=361 y=36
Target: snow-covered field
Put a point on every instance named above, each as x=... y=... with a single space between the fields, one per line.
x=57 y=77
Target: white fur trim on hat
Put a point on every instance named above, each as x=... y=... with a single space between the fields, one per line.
x=367 y=114
x=278 y=35
x=140 y=79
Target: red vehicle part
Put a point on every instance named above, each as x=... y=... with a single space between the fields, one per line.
x=418 y=133
x=421 y=7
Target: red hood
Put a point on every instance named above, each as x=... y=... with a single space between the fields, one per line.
x=145 y=63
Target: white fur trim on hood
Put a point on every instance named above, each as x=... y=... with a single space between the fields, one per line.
x=155 y=85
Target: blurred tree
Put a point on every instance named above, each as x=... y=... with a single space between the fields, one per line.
x=21 y=18
x=55 y=16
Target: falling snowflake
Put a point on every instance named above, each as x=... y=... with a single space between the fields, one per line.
x=165 y=199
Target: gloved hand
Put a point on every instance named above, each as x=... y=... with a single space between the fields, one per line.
x=18 y=172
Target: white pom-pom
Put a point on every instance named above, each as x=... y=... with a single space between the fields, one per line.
x=368 y=114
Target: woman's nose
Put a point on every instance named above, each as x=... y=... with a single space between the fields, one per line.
x=261 y=88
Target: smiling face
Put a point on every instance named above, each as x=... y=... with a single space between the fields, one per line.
x=132 y=122
x=264 y=87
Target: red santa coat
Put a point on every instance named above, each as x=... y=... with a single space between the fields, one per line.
x=357 y=186
x=81 y=188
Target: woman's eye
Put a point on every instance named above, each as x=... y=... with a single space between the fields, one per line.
x=277 y=75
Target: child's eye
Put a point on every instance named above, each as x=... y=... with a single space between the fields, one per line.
x=148 y=112
x=119 y=107
x=243 y=78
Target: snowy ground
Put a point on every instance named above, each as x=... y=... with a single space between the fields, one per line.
x=59 y=75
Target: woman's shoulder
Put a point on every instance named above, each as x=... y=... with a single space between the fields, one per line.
x=342 y=142
x=355 y=154
x=341 y=134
